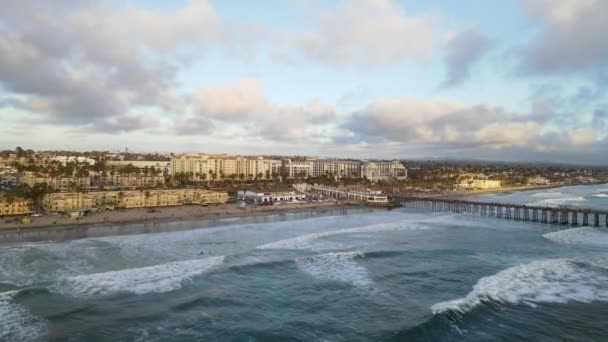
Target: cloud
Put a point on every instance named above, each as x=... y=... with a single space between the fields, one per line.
x=125 y=123
x=365 y=33
x=443 y=123
x=245 y=105
x=572 y=37
x=84 y=63
x=192 y=126
x=462 y=52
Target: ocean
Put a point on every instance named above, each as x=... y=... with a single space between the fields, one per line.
x=342 y=275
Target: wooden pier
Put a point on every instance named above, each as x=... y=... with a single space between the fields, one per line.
x=506 y=211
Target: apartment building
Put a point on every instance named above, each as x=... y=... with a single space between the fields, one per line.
x=338 y=168
x=100 y=200
x=127 y=181
x=223 y=166
x=16 y=206
x=57 y=183
x=383 y=170
x=122 y=181
x=298 y=168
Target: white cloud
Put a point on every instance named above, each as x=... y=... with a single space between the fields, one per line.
x=244 y=104
x=573 y=36
x=441 y=122
x=366 y=32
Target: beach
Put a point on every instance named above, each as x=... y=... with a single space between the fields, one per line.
x=164 y=214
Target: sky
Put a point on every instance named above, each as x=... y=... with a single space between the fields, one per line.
x=513 y=80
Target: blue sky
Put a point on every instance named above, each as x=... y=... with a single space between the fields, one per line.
x=502 y=80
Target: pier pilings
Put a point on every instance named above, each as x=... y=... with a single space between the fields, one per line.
x=508 y=211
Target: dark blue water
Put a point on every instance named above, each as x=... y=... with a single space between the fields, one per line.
x=341 y=276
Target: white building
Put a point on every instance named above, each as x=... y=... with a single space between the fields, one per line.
x=270 y=197
x=483 y=184
x=538 y=180
x=383 y=170
x=74 y=159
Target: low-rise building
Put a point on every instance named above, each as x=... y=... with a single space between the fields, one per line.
x=270 y=197
x=158 y=166
x=9 y=179
x=74 y=159
x=538 y=180
x=100 y=200
x=57 y=183
x=15 y=206
x=483 y=184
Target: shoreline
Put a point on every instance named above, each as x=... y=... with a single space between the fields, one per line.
x=133 y=221
x=474 y=193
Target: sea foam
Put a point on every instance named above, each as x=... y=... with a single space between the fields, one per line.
x=554 y=202
x=543 y=281
x=16 y=323
x=339 y=266
x=158 y=278
x=306 y=241
x=581 y=235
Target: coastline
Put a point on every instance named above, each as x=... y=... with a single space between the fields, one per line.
x=133 y=221
x=474 y=193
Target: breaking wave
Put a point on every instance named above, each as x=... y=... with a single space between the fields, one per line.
x=554 y=202
x=16 y=323
x=158 y=278
x=543 y=281
x=305 y=241
x=339 y=266
x=601 y=195
x=582 y=235
x=550 y=194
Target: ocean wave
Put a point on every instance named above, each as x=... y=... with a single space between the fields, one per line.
x=16 y=323
x=158 y=278
x=554 y=202
x=601 y=195
x=305 y=241
x=580 y=235
x=339 y=266
x=543 y=281
x=550 y=194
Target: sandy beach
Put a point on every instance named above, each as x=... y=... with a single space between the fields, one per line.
x=166 y=214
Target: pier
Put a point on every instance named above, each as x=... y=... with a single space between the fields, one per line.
x=343 y=194
x=507 y=211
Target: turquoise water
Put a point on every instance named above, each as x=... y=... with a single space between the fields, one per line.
x=347 y=275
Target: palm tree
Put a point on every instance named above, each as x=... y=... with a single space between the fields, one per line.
x=121 y=196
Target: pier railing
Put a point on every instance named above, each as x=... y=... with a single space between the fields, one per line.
x=507 y=211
